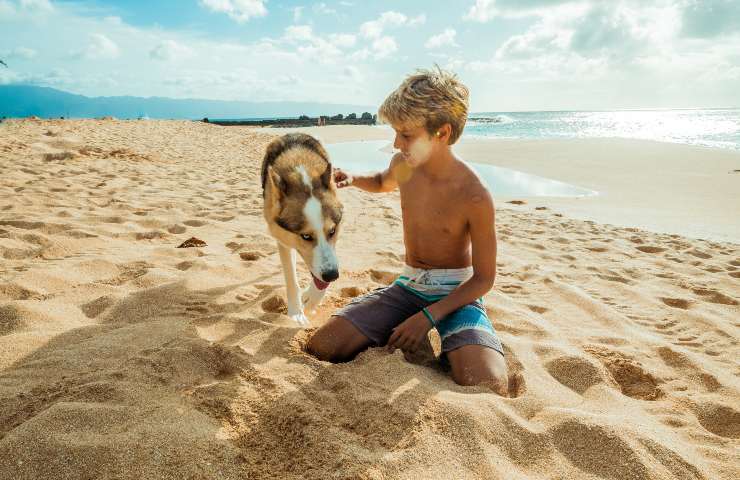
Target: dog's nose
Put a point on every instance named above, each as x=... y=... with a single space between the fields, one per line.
x=330 y=275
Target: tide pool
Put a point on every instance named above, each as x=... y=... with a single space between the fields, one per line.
x=370 y=156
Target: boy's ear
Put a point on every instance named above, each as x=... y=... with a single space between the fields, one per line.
x=445 y=132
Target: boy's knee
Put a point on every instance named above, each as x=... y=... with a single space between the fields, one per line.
x=336 y=341
x=497 y=383
x=319 y=347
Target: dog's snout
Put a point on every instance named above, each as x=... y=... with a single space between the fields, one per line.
x=330 y=275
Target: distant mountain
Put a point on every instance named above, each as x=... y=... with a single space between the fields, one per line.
x=27 y=100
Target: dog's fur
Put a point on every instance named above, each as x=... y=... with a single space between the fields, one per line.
x=303 y=214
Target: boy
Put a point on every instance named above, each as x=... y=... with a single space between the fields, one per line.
x=450 y=240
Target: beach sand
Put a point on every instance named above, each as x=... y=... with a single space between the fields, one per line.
x=122 y=356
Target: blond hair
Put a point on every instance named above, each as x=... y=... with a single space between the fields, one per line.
x=428 y=98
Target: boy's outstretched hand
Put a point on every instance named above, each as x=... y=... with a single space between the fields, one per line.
x=409 y=334
x=342 y=178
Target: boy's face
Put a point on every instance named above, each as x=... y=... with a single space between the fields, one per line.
x=415 y=143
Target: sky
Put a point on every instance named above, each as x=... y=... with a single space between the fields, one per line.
x=514 y=55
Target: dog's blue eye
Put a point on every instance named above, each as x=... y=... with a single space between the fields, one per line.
x=307 y=237
x=332 y=231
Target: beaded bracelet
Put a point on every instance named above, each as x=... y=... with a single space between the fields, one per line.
x=429 y=317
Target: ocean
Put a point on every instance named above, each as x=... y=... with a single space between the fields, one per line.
x=718 y=128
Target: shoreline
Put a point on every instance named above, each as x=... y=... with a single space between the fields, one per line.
x=638 y=180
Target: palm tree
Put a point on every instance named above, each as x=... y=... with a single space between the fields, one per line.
x=6 y=65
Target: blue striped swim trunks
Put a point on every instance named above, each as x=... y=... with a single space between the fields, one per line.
x=376 y=313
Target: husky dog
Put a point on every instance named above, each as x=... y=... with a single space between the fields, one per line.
x=303 y=214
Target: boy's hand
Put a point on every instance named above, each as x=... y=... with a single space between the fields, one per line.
x=410 y=334
x=342 y=178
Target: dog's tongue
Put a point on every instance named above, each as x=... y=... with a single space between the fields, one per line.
x=320 y=284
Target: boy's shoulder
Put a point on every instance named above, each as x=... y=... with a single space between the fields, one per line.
x=470 y=184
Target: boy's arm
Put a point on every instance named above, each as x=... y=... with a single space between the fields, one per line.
x=483 y=242
x=409 y=334
x=384 y=181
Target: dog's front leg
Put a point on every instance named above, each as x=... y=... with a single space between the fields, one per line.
x=295 y=310
x=311 y=297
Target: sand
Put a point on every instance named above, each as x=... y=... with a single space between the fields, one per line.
x=123 y=356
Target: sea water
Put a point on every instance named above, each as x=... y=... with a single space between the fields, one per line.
x=372 y=156
x=719 y=128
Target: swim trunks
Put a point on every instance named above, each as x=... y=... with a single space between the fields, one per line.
x=378 y=312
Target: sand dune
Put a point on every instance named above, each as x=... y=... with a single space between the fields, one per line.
x=122 y=356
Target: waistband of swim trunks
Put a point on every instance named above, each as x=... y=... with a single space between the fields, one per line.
x=437 y=275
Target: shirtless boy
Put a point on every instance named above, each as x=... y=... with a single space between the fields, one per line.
x=450 y=240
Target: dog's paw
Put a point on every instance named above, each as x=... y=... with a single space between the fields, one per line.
x=311 y=297
x=299 y=318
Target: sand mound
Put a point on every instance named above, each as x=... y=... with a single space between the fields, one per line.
x=122 y=356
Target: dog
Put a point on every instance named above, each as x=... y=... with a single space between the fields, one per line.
x=303 y=214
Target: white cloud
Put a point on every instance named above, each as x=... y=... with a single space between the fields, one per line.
x=384 y=47
x=299 y=33
x=446 y=38
x=375 y=28
x=482 y=11
x=324 y=50
x=239 y=10
x=99 y=47
x=169 y=50
x=343 y=40
x=297 y=12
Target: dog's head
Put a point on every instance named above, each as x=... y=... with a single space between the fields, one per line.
x=301 y=206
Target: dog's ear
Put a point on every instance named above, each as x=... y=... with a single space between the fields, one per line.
x=326 y=177
x=278 y=186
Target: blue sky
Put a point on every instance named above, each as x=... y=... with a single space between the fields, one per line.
x=513 y=54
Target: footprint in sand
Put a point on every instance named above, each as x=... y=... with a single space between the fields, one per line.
x=274 y=304
x=632 y=378
x=681 y=303
x=688 y=369
x=195 y=223
x=11 y=319
x=538 y=309
x=99 y=305
x=698 y=253
x=592 y=448
x=351 y=292
x=175 y=229
x=510 y=288
x=383 y=276
x=251 y=256
x=650 y=249
x=719 y=419
x=714 y=296
x=576 y=373
x=152 y=235
x=186 y=265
